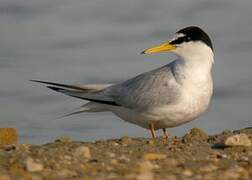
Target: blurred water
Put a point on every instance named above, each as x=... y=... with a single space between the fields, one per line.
x=96 y=41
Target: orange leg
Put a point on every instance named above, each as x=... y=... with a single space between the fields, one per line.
x=152 y=130
x=166 y=135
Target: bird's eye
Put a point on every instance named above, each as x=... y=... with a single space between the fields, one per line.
x=188 y=38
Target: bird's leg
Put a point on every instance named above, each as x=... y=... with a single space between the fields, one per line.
x=152 y=130
x=166 y=135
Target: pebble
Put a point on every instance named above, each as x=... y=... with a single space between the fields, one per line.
x=154 y=156
x=32 y=166
x=126 y=140
x=82 y=152
x=187 y=172
x=110 y=154
x=172 y=162
x=195 y=134
x=23 y=147
x=64 y=140
x=123 y=159
x=244 y=158
x=8 y=136
x=114 y=161
x=113 y=143
x=238 y=140
x=208 y=168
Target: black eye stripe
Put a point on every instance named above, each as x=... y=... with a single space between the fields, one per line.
x=181 y=40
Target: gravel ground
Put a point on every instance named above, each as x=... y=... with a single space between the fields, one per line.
x=194 y=156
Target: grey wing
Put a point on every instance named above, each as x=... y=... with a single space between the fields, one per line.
x=147 y=90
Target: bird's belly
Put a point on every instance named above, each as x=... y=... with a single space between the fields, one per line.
x=189 y=108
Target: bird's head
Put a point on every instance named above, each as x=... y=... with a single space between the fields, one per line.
x=186 y=42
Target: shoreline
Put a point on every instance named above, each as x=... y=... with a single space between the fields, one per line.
x=196 y=155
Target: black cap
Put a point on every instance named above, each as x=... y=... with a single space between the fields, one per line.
x=193 y=33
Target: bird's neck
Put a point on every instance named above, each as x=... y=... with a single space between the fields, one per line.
x=196 y=66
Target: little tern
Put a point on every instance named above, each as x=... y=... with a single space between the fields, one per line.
x=162 y=98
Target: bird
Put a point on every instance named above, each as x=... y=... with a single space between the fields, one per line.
x=165 y=97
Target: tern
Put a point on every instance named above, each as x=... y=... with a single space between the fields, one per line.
x=162 y=98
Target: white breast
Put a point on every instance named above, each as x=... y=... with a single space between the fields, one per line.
x=192 y=103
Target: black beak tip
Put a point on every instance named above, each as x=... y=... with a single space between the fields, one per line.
x=143 y=52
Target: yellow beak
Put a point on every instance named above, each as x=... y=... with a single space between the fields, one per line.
x=165 y=47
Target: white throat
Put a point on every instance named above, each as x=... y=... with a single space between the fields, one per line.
x=195 y=51
x=197 y=59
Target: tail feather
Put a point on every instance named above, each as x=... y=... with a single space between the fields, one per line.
x=90 y=92
x=83 y=88
x=60 y=85
x=73 y=113
x=88 y=107
x=94 y=97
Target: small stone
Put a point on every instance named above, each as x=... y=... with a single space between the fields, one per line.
x=113 y=143
x=114 y=161
x=110 y=154
x=208 y=168
x=238 y=140
x=66 y=157
x=82 y=152
x=8 y=136
x=145 y=166
x=65 y=140
x=223 y=156
x=123 y=159
x=187 y=172
x=126 y=140
x=154 y=156
x=244 y=158
x=195 y=134
x=23 y=147
x=32 y=166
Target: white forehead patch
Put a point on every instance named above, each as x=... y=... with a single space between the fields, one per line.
x=176 y=36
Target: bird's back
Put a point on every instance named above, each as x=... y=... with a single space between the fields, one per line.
x=154 y=88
